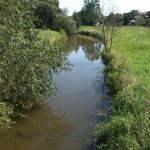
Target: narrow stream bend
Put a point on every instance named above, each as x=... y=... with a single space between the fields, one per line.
x=67 y=122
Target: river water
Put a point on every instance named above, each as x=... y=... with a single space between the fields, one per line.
x=67 y=122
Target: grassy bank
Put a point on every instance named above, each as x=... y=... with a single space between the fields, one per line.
x=128 y=70
x=90 y=31
x=49 y=34
x=60 y=38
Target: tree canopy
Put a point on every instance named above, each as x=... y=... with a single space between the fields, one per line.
x=91 y=12
x=66 y=23
x=45 y=12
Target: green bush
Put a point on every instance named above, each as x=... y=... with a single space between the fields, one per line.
x=5 y=116
x=27 y=63
x=66 y=23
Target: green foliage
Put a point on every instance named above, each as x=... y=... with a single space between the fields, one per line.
x=66 y=23
x=45 y=11
x=91 y=12
x=141 y=20
x=112 y=135
x=128 y=17
x=115 y=18
x=50 y=35
x=5 y=116
x=148 y=14
x=27 y=64
x=77 y=18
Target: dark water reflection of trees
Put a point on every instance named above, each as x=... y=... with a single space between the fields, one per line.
x=90 y=46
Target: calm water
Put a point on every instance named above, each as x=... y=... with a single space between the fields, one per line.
x=67 y=122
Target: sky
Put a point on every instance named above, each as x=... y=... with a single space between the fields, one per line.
x=122 y=5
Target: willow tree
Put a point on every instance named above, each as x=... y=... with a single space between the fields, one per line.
x=27 y=64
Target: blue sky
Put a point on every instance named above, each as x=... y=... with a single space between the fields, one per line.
x=123 y=5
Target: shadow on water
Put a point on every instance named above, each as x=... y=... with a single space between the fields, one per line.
x=43 y=130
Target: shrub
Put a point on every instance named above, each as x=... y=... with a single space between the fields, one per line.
x=27 y=64
x=5 y=116
x=66 y=23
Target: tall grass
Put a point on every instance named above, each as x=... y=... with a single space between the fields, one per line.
x=128 y=71
x=90 y=31
x=54 y=37
x=49 y=34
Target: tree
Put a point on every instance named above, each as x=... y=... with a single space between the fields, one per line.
x=66 y=23
x=46 y=11
x=128 y=17
x=65 y=11
x=109 y=25
x=91 y=12
x=118 y=18
x=148 y=14
x=77 y=18
x=27 y=64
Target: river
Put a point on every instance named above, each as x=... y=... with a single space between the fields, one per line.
x=67 y=121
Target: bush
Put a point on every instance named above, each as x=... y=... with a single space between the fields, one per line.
x=66 y=23
x=27 y=64
x=5 y=116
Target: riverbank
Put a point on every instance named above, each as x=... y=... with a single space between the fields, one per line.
x=128 y=71
x=53 y=36
x=90 y=31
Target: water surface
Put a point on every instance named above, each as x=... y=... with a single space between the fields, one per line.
x=67 y=122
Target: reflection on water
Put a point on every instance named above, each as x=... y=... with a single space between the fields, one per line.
x=66 y=122
x=43 y=130
x=90 y=46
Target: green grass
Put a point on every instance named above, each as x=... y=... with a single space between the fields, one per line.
x=50 y=35
x=128 y=71
x=90 y=30
x=133 y=43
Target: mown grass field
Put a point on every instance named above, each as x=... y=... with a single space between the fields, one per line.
x=128 y=71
